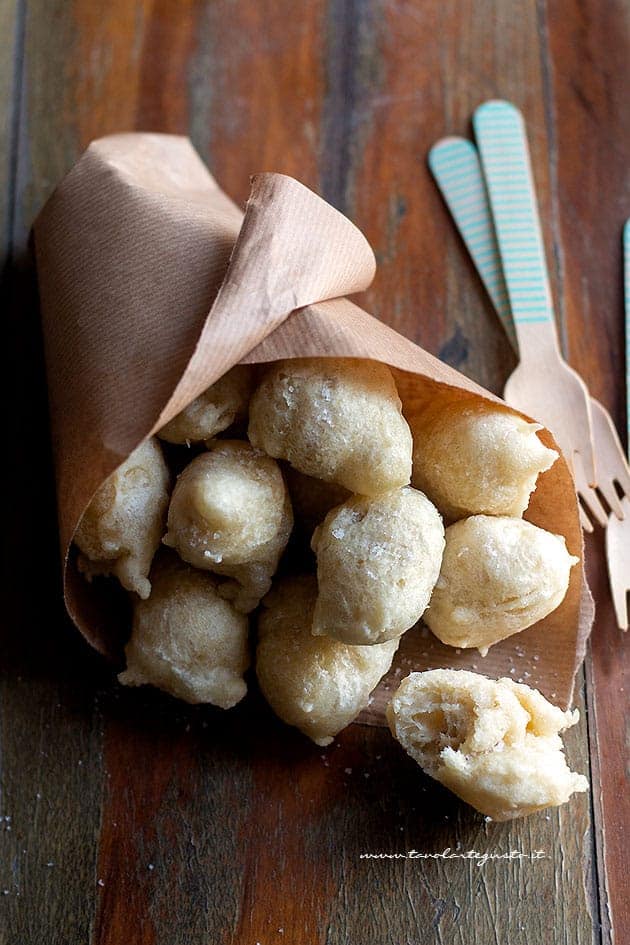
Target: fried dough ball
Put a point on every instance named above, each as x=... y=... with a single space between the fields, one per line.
x=495 y=744
x=472 y=458
x=377 y=562
x=499 y=575
x=336 y=419
x=215 y=410
x=314 y=683
x=121 y=528
x=187 y=640
x=230 y=513
x=311 y=498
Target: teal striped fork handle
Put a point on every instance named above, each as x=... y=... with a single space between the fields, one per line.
x=454 y=163
x=456 y=168
x=542 y=385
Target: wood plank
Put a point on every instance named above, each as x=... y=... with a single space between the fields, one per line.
x=248 y=828
x=588 y=107
x=10 y=69
x=50 y=775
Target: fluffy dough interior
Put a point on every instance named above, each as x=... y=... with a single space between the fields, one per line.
x=499 y=576
x=336 y=419
x=495 y=744
x=122 y=527
x=377 y=562
x=186 y=639
x=314 y=683
x=472 y=458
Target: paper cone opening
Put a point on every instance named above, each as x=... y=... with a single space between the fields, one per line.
x=153 y=285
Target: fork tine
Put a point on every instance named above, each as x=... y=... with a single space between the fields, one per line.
x=588 y=495
x=609 y=492
x=585 y=521
x=611 y=458
x=595 y=507
x=619 y=593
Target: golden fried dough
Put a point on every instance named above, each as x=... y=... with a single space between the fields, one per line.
x=472 y=458
x=315 y=683
x=230 y=513
x=336 y=419
x=495 y=744
x=499 y=575
x=213 y=411
x=121 y=529
x=377 y=562
x=187 y=640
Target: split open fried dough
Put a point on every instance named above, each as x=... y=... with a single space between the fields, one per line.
x=377 y=562
x=186 y=639
x=496 y=744
x=122 y=527
x=336 y=419
x=317 y=684
x=472 y=458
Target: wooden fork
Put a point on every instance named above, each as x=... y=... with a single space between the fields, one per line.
x=456 y=167
x=618 y=532
x=543 y=385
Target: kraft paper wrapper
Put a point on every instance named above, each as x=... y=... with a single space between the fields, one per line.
x=153 y=284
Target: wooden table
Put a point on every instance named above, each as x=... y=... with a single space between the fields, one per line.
x=129 y=819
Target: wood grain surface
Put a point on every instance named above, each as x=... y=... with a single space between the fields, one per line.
x=128 y=818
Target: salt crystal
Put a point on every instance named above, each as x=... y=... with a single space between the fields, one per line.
x=216 y=558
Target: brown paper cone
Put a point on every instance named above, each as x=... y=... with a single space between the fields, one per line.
x=153 y=285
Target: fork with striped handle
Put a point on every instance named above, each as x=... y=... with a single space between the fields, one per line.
x=456 y=167
x=618 y=532
x=542 y=385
